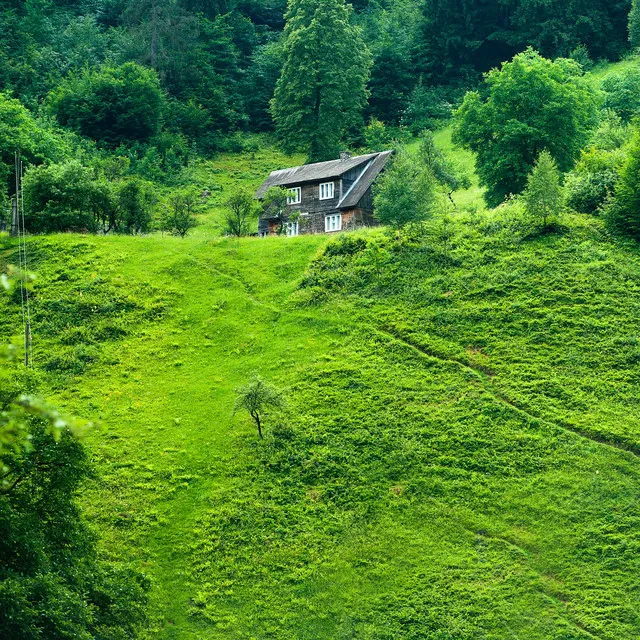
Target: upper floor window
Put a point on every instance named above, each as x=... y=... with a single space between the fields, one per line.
x=295 y=196
x=326 y=190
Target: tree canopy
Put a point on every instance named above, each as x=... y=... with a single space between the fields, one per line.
x=322 y=90
x=529 y=105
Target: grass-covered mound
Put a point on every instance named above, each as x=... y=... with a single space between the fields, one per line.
x=460 y=454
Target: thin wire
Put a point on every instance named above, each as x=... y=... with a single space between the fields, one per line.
x=20 y=261
x=24 y=254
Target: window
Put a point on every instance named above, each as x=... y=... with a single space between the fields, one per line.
x=295 y=196
x=326 y=190
x=333 y=222
x=292 y=229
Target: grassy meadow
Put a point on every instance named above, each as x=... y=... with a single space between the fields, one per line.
x=459 y=455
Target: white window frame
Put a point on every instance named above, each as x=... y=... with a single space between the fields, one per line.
x=333 y=223
x=295 y=195
x=327 y=190
x=292 y=228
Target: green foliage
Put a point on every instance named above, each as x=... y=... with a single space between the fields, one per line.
x=581 y=55
x=622 y=92
x=274 y=204
x=136 y=202
x=19 y=130
x=256 y=398
x=322 y=90
x=544 y=195
x=179 y=217
x=404 y=194
x=241 y=213
x=112 y=104
x=531 y=104
x=377 y=136
x=624 y=211
x=427 y=108
x=593 y=180
x=60 y=197
x=634 y=25
x=443 y=169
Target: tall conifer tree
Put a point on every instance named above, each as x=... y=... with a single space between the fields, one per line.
x=322 y=90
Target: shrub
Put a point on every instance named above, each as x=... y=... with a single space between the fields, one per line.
x=345 y=245
x=593 y=180
x=58 y=197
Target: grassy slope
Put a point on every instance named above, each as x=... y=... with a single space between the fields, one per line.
x=459 y=460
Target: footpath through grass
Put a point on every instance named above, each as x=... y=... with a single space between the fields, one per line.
x=460 y=455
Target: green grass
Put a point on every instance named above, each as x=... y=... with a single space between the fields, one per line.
x=459 y=459
x=460 y=455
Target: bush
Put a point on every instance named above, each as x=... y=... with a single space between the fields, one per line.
x=113 y=104
x=345 y=245
x=58 y=197
x=593 y=180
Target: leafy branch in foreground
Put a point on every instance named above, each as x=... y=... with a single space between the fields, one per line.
x=256 y=398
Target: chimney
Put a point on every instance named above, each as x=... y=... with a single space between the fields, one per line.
x=345 y=155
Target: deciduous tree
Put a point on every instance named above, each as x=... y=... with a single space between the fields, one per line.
x=529 y=105
x=405 y=193
x=240 y=212
x=256 y=398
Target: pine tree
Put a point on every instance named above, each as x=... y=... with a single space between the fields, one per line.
x=322 y=90
x=544 y=195
x=634 y=25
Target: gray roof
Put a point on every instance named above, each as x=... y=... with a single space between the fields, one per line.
x=369 y=173
x=319 y=171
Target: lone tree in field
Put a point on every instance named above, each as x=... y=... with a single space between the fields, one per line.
x=183 y=207
x=544 y=195
x=529 y=105
x=322 y=90
x=256 y=398
x=405 y=193
x=240 y=212
x=634 y=25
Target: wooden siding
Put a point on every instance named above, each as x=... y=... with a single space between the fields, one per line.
x=313 y=211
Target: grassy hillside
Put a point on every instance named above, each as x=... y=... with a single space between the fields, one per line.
x=459 y=458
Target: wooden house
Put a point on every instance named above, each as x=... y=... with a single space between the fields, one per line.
x=326 y=196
